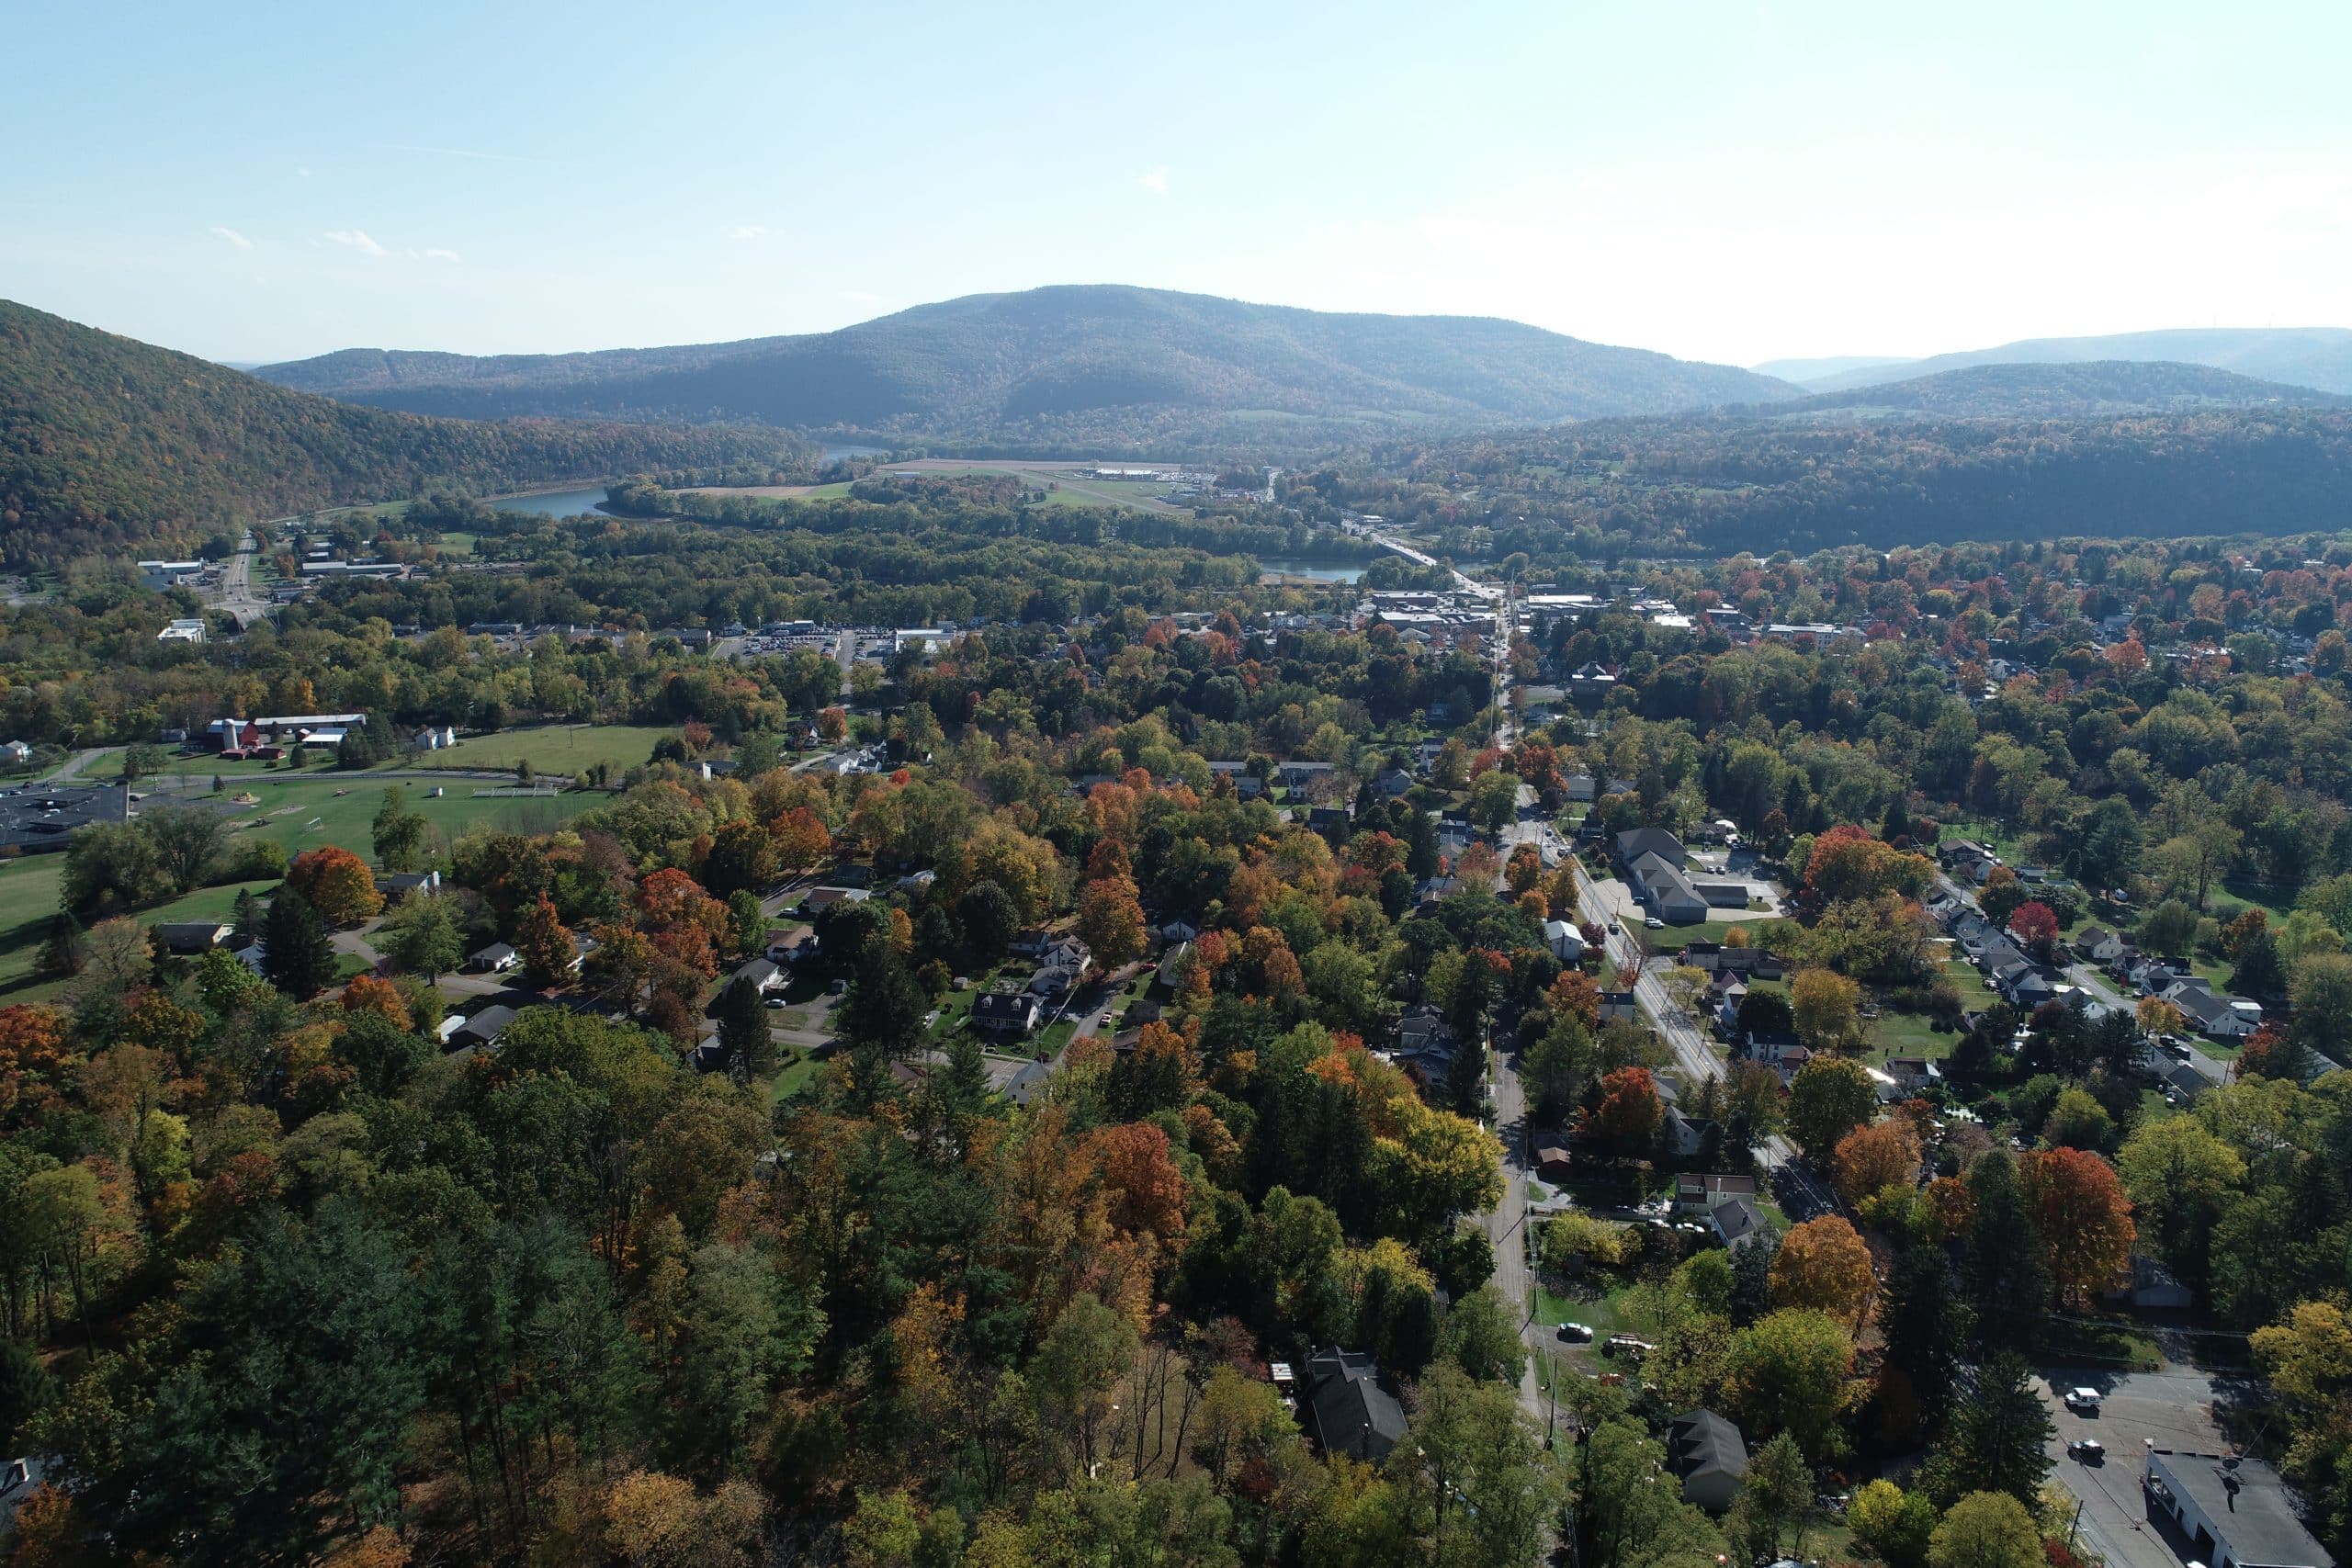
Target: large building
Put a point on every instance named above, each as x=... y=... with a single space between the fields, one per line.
x=2231 y=1512
x=43 y=816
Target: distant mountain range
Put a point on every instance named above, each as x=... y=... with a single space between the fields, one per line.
x=109 y=444
x=2318 y=357
x=1092 y=369
x=2092 y=390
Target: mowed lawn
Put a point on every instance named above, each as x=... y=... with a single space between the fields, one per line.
x=551 y=749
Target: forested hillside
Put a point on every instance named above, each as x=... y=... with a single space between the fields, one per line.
x=110 y=443
x=2063 y=392
x=1074 y=368
x=1744 y=482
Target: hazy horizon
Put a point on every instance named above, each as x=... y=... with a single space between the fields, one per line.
x=1753 y=187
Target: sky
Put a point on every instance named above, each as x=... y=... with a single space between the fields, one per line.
x=1721 y=181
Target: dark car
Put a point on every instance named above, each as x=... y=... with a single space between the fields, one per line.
x=2087 y=1450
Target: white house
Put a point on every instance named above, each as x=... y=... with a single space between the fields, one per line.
x=186 y=630
x=1566 y=941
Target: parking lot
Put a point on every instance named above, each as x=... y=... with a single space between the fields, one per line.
x=2171 y=1409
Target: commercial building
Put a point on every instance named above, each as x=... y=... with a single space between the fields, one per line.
x=2232 y=1512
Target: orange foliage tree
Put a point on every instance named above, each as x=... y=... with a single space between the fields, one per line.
x=1147 y=1192
x=336 y=883
x=1624 y=1120
x=1825 y=1266
x=367 y=994
x=1868 y=1159
x=2084 y=1216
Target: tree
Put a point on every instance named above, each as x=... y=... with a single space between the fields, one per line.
x=1829 y=1098
x=188 y=841
x=300 y=1414
x=297 y=956
x=660 y=1521
x=1494 y=800
x=1110 y=921
x=1926 y=1322
x=398 y=833
x=2180 y=1179
x=2323 y=1004
x=1626 y=1519
x=1481 y=1333
x=1986 y=1529
x=801 y=840
x=2081 y=1211
x=2008 y=1263
x=111 y=867
x=421 y=937
x=883 y=1008
x=1895 y=1524
x=337 y=884
x=545 y=943
x=747 y=922
x=1871 y=1158
x=2034 y=926
x=1998 y=1440
x=1827 y=1010
x=1792 y=1372
x=1766 y=1012
x=1775 y=1495
x=1824 y=1266
x=1624 y=1122
x=2169 y=929
x=1482 y=1481
x=742 y=858
x=988 y=917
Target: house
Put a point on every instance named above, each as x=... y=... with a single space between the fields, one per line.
x=2154 y=1288
x=1782 y=1053
x=763 y=974
x=482 y=1030
x=1394 y=784
x=1348 y=1411
x=2183 y=1079
x=1005 y=1014
x=1566 y=941
x=817 y=900
x=1661 y=886
x=2234 y=1512
x=395 y=886
x=2099 y=946
x=192 y=936
x=1686 y=1137
x=1061 y=964
x=1030 y=941
x=1179 y=930
x=15 y=751
x=2217 y=1018
x=187 y=630
x=1913 y=1073
x=1635 y=842
x=583 y=946
x=1552 y=1164
x=1706 y=1453
x=1300 y=776
x=1329 y=820
x=496 y=959
x=1698 y=1193
x=1619 y=1006
x=253 y=955
x=1736 y=1222
x=1423 y=1033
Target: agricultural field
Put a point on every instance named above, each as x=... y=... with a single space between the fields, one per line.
x=550 y=748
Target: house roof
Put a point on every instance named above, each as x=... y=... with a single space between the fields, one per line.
x=1352 y=1414
x=1736 y=1219
x=1699 y=1443
x=487 y=1024
x=2247 y=1505
x=1635 y=842
x=1004 y=1005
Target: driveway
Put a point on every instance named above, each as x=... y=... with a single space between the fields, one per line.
x=2173 y=1409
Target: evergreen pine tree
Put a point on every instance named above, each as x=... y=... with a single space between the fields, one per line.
x=65 y=953
x=297 y=956
x=743 y=1031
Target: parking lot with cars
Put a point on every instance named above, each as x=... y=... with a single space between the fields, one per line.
x=2098 y=1451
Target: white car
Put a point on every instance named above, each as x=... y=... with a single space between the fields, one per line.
x=2082 y=1401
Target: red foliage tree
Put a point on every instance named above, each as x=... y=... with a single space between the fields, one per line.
x=1623 y=1122
x=2084 y=1216
x=2033 y=924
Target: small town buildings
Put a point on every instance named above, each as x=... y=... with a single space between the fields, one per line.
x=1698 y=1192
x=192 y=936
x=1566 y=941
x=496 y=959
x=1005 y=1014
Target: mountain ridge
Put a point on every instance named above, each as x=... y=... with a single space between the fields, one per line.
x=1079 y=364
x=2317 y=357
x=2072 y=390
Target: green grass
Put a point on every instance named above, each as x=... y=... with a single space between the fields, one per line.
x=1910 y=1034
x=457 y=544
x=29 y=893
x=552 y=749
x=2106 y=1341
x=1674 y=937
x=798 y=1068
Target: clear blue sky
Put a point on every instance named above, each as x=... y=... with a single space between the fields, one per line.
x=1721 y=181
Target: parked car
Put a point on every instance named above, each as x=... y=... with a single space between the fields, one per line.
x=776 y=1002
x=2086 y=1450
x=1575 y=1332
x=1653 y=922
x=1105 y=1022
x=2082 y=1401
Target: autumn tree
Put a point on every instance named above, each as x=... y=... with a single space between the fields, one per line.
x=1986 y=1529
x=1110 y=921
x=2034 y=926
x=1829 y=1098
x=337 y=884
x=545 y=943
x=1827 y=1010
x=1792 y=1372
x=1624 y=1122
x=1824 y=1266
x=1871 y=1158
x=2080 y=1208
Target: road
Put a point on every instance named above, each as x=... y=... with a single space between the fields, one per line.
x=2172 y=1409
x=235 y=597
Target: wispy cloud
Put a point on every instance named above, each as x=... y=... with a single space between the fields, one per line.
x=480 y=154
x=356 y=239
x=438 y=255
x=232 y=237
x=1154 y=180
x=748 y=232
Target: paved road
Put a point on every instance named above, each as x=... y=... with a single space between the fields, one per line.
x=2174 y=1408
x=72 y=769
x=236 y=593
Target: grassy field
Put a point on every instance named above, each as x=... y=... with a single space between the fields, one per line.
x=1672 y=938
x=1909 y=1034
x=295 y=811
x=552 y=749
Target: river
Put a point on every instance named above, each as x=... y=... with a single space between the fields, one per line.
x=553 y=503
